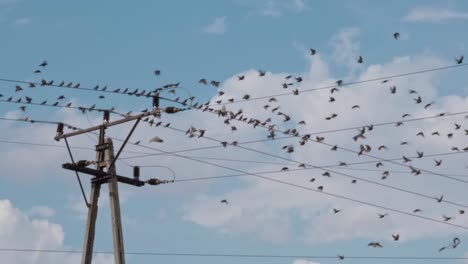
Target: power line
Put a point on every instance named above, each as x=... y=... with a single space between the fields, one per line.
x=336 y=166
x=221 y=255
x=81 y=108
x=345 y=149
x=251 y=99
x=144 y=154
x=305 y=188
x=329 y=87
x=320 y=133
x=338 y=173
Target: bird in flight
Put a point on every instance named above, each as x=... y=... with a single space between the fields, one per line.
x=312 y=51
x=156 y=139
x=375 y=245
x=459 y=60
x=396 y=35
x=224 y=201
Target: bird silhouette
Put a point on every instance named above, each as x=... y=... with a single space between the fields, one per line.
x=396 y=35
x=156 y=139
x=375 y=245
x=360 y=59
x=459 y=60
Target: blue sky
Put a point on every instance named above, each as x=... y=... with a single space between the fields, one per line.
x=121 y=43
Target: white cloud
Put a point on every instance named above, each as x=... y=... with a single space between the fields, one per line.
x=262 y=208
x=22 y=21
x=432 y=14
x=303 y=261
x=217 y=27
x=275 y=8
x=346 y=48
x=42 y=211
x=18 y=231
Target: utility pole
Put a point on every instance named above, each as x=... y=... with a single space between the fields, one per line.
x=105 y=159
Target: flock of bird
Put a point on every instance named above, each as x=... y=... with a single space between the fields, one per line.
x=218 y=107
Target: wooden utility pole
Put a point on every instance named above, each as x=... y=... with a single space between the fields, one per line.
x=115 y=206
x=105 y=159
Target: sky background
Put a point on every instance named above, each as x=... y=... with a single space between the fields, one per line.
x=121 y=43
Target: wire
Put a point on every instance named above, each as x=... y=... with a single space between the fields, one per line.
x=337 y=173
x=159 y=166
x=307 y=188
x=81 y=108
x=345 y=149
x=318 y=133
x=329 y=87
x=220 y=255
x=336 y=166
x=254 y=98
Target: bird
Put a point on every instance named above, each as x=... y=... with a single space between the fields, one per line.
x=37 y=71
x=157 y=72
x=360 y=59
x=427 y=105
x=461 y=211
x=439 y=200
x=382 y=215
x=437 y=162
x=457 y=126
x=331 y=117
x=18 y=88
x=335 y=211
x=320 y=188
x=241 y=77
x=396 y=237
x=156 y=139
x=396 y=35
x=261 y=73
x=312 y=51
x=375 y=245
x=43 y=64
x=202 y=81
x=23 y=108
x=459 y=60
x=446 y=218
x=417 y=211
x=61 y=97
x=393 y=89
x=417 y=100
x=224 y=201
x=382 y=147
x=340 y=257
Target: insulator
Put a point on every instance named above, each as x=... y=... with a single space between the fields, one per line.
x=106 y=116
x=59 y=129
x=171 y=110
x=136 y=172
x=156 y=101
